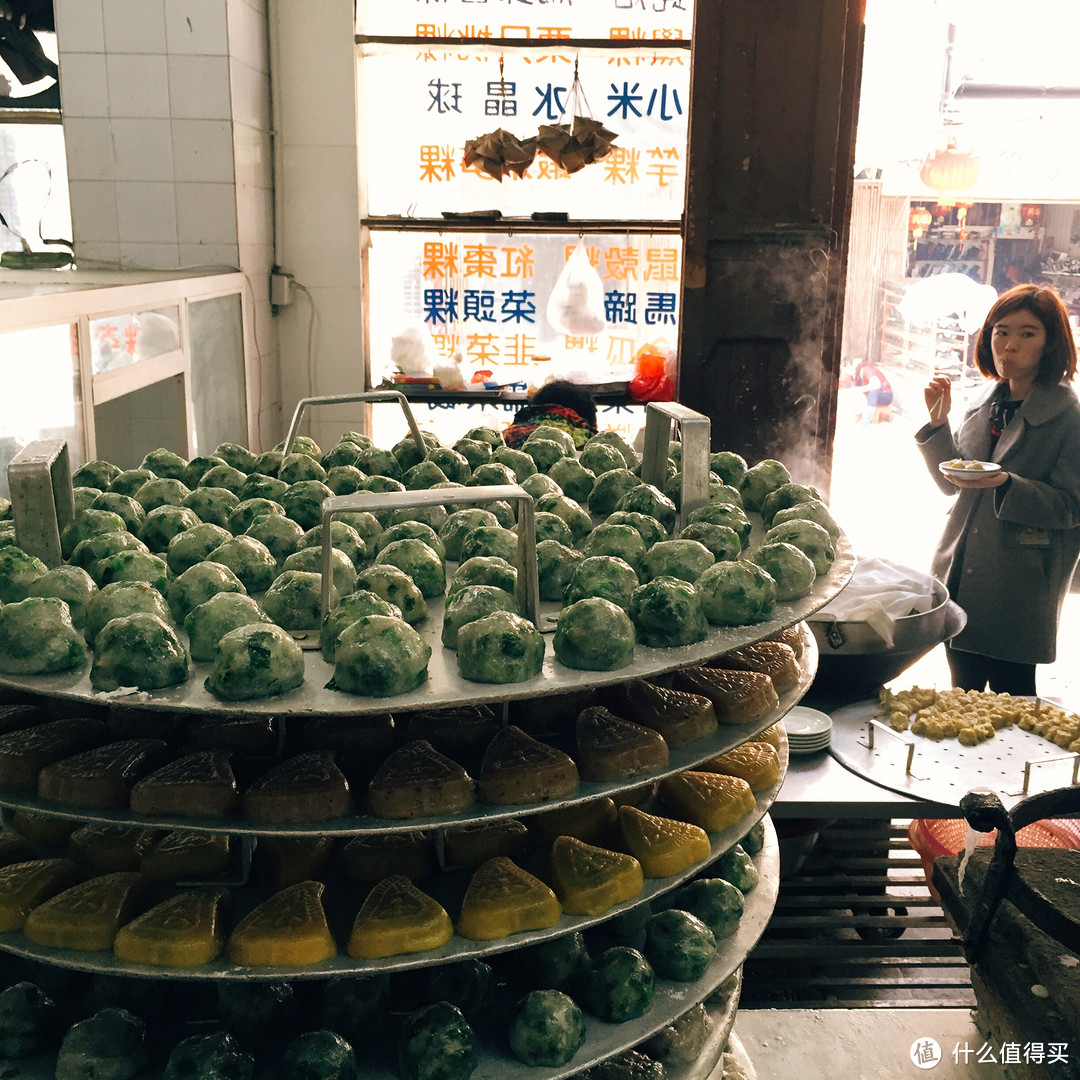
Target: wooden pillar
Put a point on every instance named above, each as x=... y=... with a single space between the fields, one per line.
x=774 y=95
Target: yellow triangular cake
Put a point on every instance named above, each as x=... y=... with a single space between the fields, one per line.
x=288 y=930
x=662 y=846
x=417 y=781
x=88 y=915
x=611 y=748
x=712 y=800
x=304 y=788
x=520 y=769
x=503 y=899
x=774 y=736
x=756 y=762
x=397 y=917
x=195 y=785
x=588 y=880
x=25 y=885
x=678 y=715
x=181 y=932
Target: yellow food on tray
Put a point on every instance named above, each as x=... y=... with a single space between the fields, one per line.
x=88 y=915
x=397 y=917
x=502 y=899
x=181 y=932
x=588 y=880
x=288 y=930
x=662 y=845
x=25 y=885
x=714 y=801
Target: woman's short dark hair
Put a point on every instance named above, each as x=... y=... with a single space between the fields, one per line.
x=1058 y=363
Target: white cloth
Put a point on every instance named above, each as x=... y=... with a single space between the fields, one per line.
x=879 y=593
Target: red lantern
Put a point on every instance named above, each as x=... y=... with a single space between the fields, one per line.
x=949 y=170
x=919 y=220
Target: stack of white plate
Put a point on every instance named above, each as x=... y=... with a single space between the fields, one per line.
x=808 y=730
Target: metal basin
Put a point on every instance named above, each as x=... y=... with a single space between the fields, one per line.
x=854 y=660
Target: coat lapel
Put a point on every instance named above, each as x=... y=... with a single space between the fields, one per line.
x=1041 y=405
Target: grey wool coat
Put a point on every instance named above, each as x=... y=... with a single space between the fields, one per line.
x=1008 y=556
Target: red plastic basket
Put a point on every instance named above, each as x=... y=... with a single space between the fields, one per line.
x=933 y=837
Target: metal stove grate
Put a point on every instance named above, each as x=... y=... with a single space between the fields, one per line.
x=856 y=927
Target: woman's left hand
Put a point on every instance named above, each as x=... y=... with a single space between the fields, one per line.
x=975 y=480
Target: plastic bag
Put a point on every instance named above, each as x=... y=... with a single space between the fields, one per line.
x=576 y=305
x=653 y=374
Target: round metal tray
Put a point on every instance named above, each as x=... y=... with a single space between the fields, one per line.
x=444 y=686
x=725 y=738
x=945 y=771
x=457 y=948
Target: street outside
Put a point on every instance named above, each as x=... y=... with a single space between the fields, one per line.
x=888 y=505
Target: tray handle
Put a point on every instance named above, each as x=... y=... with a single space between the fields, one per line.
x=342 y=399
x=696 y=433
x=528 y=582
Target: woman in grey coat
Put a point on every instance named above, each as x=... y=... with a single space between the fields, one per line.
x=1011 y=542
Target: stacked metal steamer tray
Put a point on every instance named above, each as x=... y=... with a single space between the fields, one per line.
x=445 y=688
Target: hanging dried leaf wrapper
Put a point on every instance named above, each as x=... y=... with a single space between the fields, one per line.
x=500 y=153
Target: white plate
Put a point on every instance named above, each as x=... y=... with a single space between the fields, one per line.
x=797 y=751
x=801 y=721
x=985 y=468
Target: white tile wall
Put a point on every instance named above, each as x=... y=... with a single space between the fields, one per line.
x=252 y=153
x=79 y=25
x=140 y=256
x=89 y=145
x=146 y=212
x=84 y=87
x=143 y=149
x=199 y=87
x=138 y=85
x=219 y=255
x=93 y=206
x=205 y=213
x=254 y=215
x=250 y=95
x=95 y=255
x=134 y=26
x=197 y=27
x=248 y=35
x=202 y=150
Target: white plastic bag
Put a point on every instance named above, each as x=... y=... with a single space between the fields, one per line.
x=576 y=305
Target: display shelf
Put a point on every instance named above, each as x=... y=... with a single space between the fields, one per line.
x=725 y=738
x=342 y=903
x=444 y=686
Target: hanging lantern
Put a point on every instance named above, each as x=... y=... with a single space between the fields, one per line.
x=919 y=220
x=949 y=170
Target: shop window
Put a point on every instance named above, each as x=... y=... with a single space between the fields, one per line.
x=466 y=262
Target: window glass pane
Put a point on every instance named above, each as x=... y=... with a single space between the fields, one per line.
x=524 y=19
x=218 y=391
x=486 y=296
x=39 y=373
x=119 y=340
x=34 y=194
x=422 y=104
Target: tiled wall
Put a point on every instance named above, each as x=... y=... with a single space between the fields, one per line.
x=166 y=108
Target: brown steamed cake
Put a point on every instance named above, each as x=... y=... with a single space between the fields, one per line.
x=110 y=848
x=470 y=845
x=351 y=734
x=520 y=769
x=548 y=715
x=14 y=848
x=610 y=748
x=87 y=915
x=25 y=885
x=792 y=636
x=305 y=787
x=712 y=801
x=292 y=859
x=417 y=781
x=585 y=820
x=679 y=716
x=187 y=856
x=737 y=696
x=756 y=762
x=195 y=785
x=42 y=828
x=17 y=717
x=374 y=856
x=24 y=753
x=771 y=657
x=462 y=732
x=135 y=722
x=258 y=735
x=102 y=777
